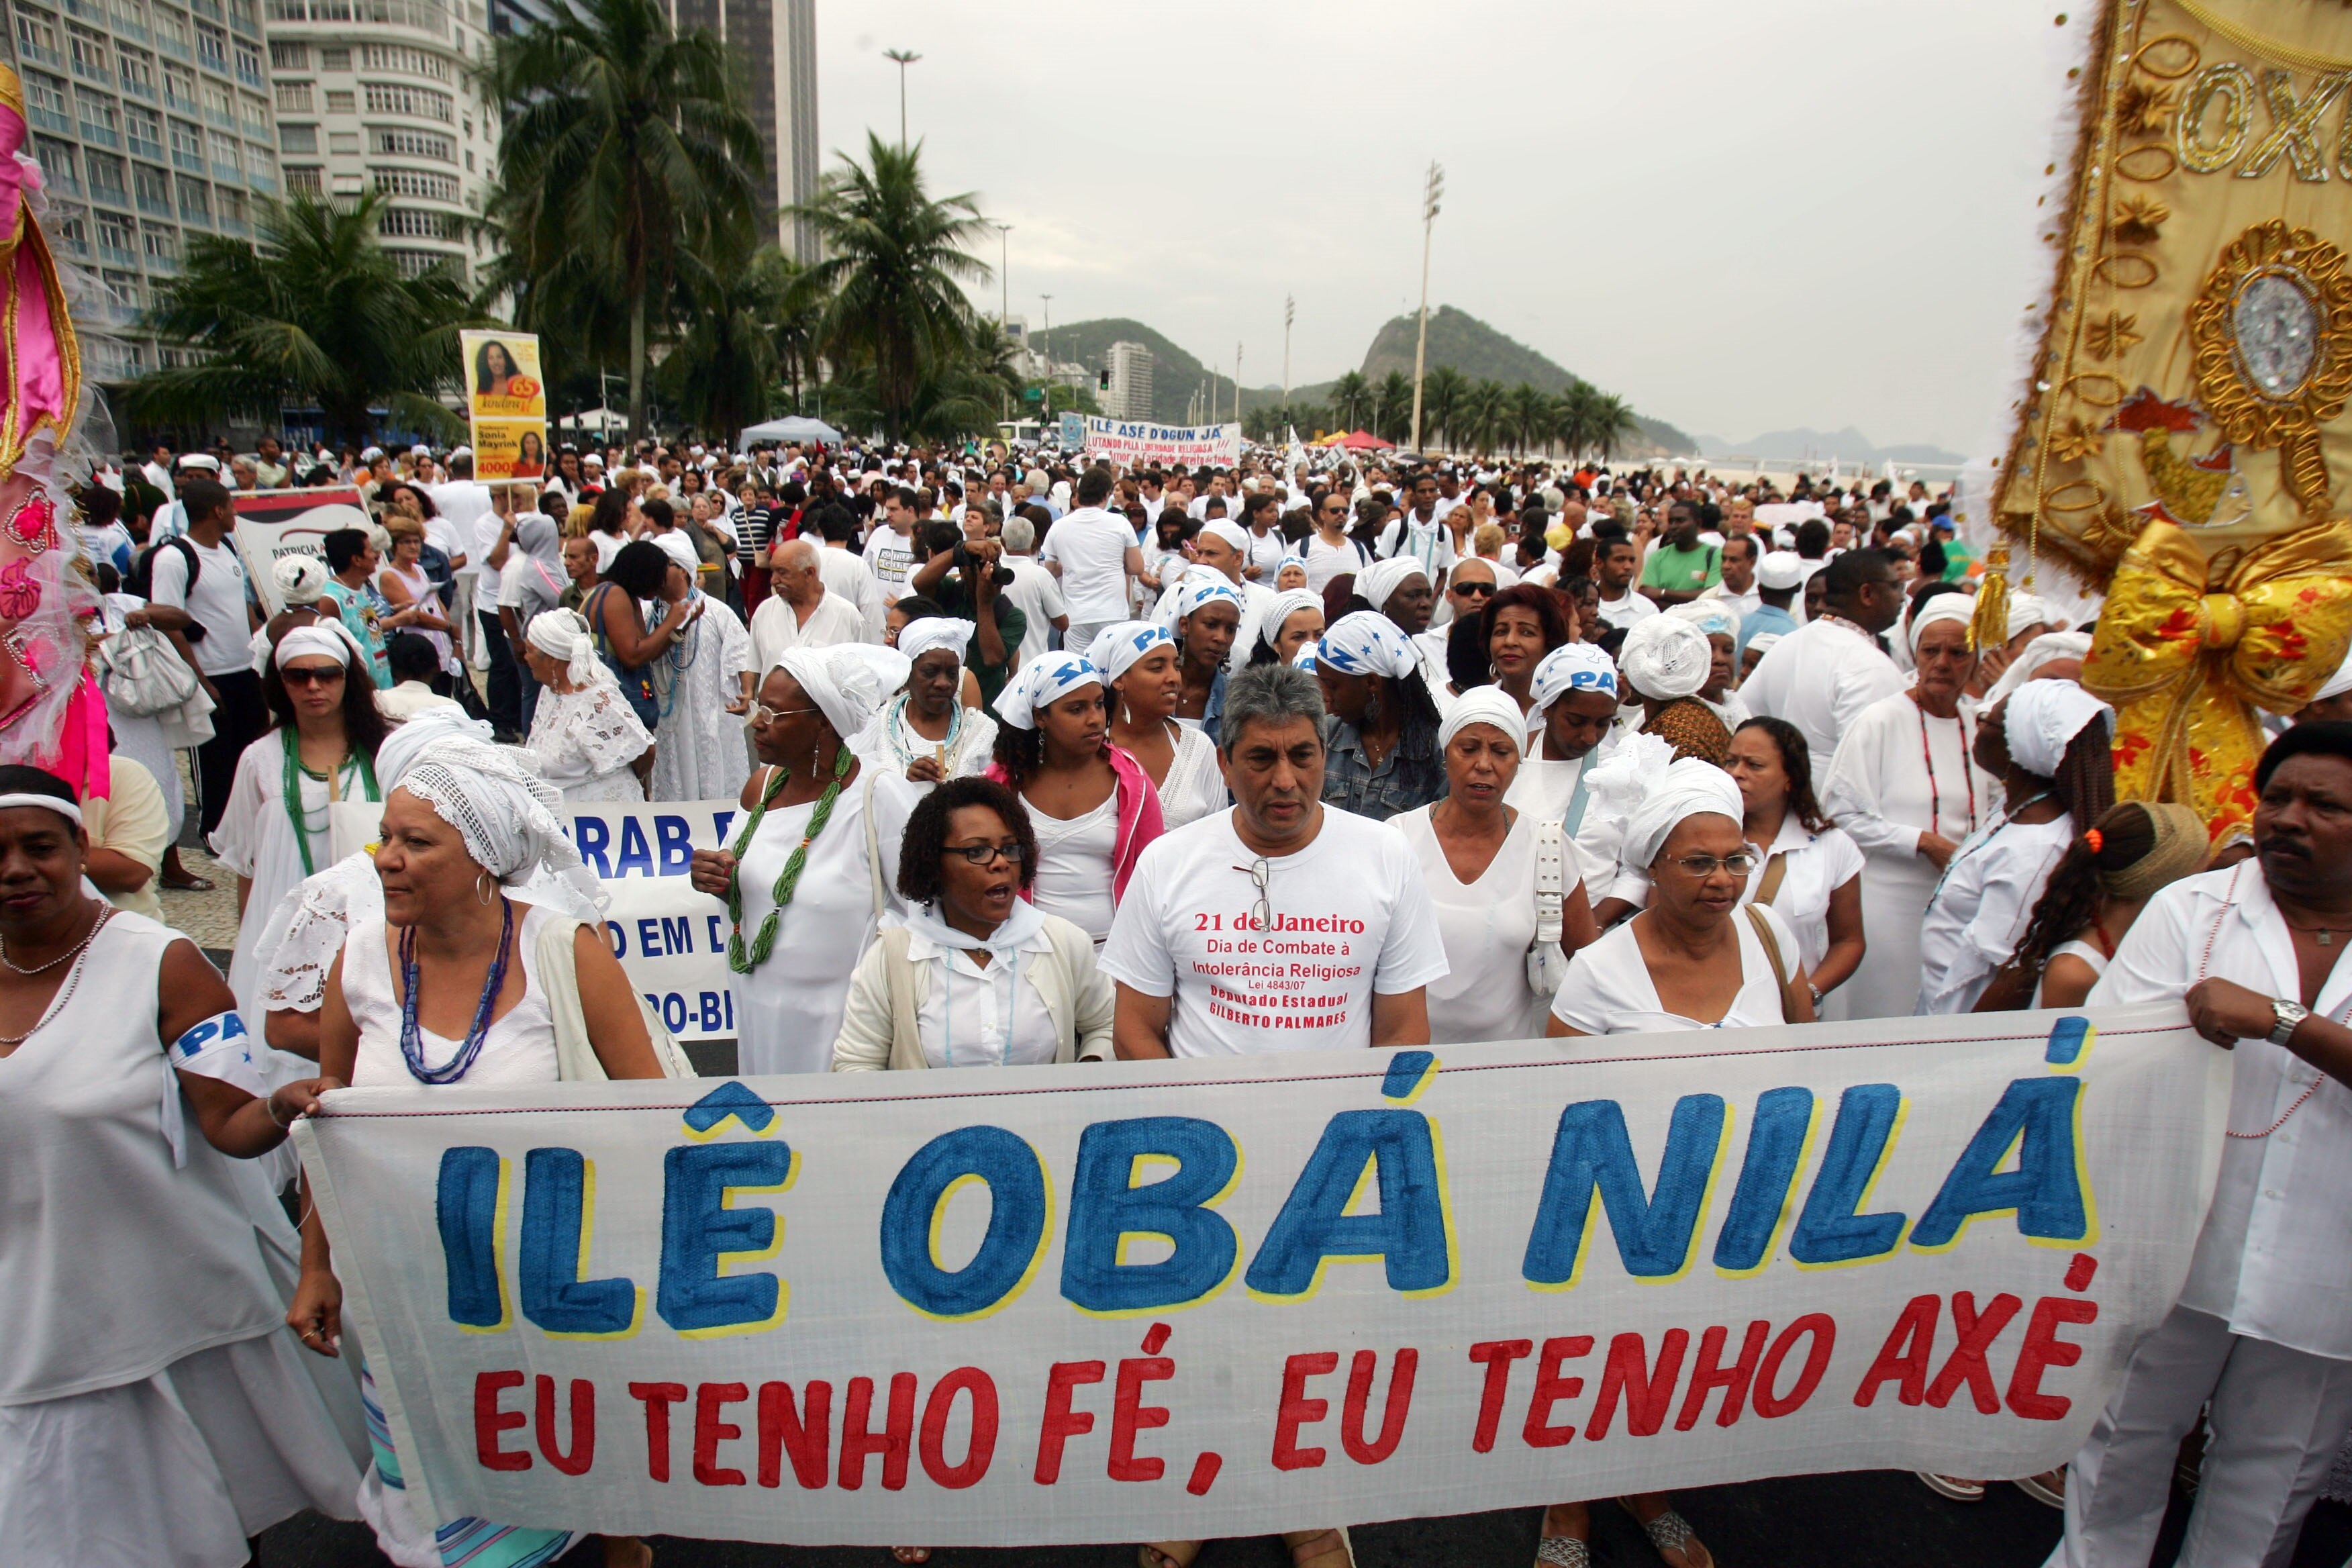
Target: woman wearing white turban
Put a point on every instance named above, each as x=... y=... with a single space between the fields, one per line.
x=2050 y=743
x=1721 y=630
x=1666 y=662
x=319 y=749
x=1293 y=620
x=806 y=880
x=1142 y=663
x=704 y=682
x=1904 y=787
x=1478 y=860
x=584 y=736
x=1575 y=690
x=924 y=733
x=453 y=987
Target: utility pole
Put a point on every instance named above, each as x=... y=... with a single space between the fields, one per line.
x=1435 y=189
x=1048 y=330
x=1237 y=380
x=1289 y=314
x=902 y=58
x=1004 y=291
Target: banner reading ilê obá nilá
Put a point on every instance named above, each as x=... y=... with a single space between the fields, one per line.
x=1224 y=1296
x=1133 y=442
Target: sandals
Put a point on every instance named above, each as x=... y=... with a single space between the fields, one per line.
x=2049 y=1488
x=192 y=885
x=1564 y=1552
x=1671 y=1533
x=910 y=1554
x=1959 y=1488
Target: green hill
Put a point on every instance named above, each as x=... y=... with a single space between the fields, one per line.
x=1461 y=340
x=1176 y=376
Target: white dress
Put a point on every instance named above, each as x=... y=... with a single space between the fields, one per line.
x=1981 y=906
x=699 y=750
x=256 y=840
x=1488 y=926
x=585 y=741
x=141 y=736
x=154 y=1408
x=891 y=742
x=1074 y=869
x=1818 y=865
x=1609 y=991
x=790 y=1006
x=1900 y=772
x=1194 y=786
x=2078 y=949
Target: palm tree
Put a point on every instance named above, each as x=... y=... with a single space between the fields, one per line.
x=1530 y=410
x=1395 y=418
x=311 y=311
x=895 y=262
x=720 y=372
x=1572 y=418
x=625 y=145
x=1612 y=423
x=1441 y=402
x=1484 y=408
x=1351 y=400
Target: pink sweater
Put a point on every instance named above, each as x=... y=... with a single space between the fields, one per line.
x=1139 y=815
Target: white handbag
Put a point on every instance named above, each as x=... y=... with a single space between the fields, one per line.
x=145 y=673
x=1546 y=965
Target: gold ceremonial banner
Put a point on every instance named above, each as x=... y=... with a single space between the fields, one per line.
x=507 y=400
x=2183 y=431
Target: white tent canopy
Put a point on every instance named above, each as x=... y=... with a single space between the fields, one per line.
x=602 y=419
x=791 y=429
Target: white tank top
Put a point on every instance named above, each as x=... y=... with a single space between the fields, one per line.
x=1074 y=869
x=519 y=1048
x=113 y=1265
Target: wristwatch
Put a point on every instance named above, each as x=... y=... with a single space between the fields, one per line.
x=2286 y=1016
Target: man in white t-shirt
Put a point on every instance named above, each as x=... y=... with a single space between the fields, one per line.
x=1736 y=590
x=1032 y=591
x=891 y=549
x=1420 y=532
x=1615 y=563
x=1093 y=552
x=1282 y=924
x=475 y=520
x=210 y=618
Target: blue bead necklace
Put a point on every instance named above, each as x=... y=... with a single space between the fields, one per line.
x=412 y=1042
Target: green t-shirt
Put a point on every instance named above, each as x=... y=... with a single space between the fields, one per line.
x=1683 y=571
x=1957 y=557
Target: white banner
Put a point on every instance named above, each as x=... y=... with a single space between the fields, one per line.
x=1139 y=443
x=1210 y=1297
x=271 y=523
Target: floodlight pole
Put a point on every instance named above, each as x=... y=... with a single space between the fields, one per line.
x=1435 y=190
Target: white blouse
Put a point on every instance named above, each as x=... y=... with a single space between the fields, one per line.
x=517 y=1049
x=1488 y=926
x=1609 y=991
x=983 y=1018
x=1193 y=787
x=585 y=741
x=1980 y=909
x=1819 y=864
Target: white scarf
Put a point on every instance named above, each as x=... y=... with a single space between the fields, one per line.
x=1016 y=929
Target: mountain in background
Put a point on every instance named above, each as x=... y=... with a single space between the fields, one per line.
x=1849 y=446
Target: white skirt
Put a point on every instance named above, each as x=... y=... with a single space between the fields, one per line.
x=176 y=1470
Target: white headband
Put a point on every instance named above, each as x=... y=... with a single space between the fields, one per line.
x=1119 y=646
x=65 y=809
x=1489 y=705
x=318 y=638
x=1957 y=608
x=1044 y=681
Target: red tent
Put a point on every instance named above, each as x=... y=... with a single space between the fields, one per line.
x=1365 y=441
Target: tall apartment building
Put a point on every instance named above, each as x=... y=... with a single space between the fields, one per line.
x=152 y=122
x=1127 y=389
x=773 y=42
x=373 y=95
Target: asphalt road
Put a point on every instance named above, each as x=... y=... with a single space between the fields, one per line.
x=1865 y=1519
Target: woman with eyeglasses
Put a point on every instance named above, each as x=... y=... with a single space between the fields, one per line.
x=1143 y=665
x=320 y=748
x=1093 y=809
x=1330 y=552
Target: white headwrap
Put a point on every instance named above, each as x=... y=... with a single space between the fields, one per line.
x=2027 y=610
x=2338 y=684
x=1958 y=607
x=2046 y=649
x=1379 y=582
x=1571 y=667
x=1117 y=647
x=1308 y=654
x=504 y=811
x=678 y=548
x=1044 y=681
x=1762 y=643
x=1286 y=603
x=330 y=638
x=1708 y=616
x=928 y=634
x=1286 y=563
x=1483 y=705
x=300 y=579
x=1663 y=658
x=409 y=740
x=564 y=635
x=1368 y=643
x=1232 y=532
x=1689 y=787
x=845 y=681
x=1203 y=588
x=2042 y=718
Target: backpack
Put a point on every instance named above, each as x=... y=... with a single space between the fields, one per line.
x=638 y=683
x=142 y=578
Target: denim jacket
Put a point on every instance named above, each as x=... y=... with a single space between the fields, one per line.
x=1412 y=774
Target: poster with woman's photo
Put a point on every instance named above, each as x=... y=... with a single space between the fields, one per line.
x=507 y=400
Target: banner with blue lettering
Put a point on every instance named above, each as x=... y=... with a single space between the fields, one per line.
x=1139 y=443
x=671 y=940
x=1207 y=1298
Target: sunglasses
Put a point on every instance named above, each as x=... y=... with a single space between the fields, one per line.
x=760 y=713
x=312 y=675
x=1472 y=590
x=982 y=854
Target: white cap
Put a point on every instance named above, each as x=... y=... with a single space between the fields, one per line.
x=1780 y=570
x=203 y=460
x=370 y=454
x=420 y=450
x=458 y=452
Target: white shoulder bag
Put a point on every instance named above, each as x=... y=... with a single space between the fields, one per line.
x=1546 y=965
x=145 y=673
x=575 y=1054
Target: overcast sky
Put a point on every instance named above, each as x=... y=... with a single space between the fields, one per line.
x=1742 y=217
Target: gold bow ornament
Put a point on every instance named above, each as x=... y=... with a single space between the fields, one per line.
x=2186 y=659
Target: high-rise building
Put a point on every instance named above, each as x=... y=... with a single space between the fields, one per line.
x=374 y=94
x=152 y=122
x=1128 y=393
x=773 y=43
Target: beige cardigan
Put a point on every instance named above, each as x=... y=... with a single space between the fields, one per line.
x=888 y=991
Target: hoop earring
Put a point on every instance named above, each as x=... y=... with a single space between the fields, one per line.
x=484 y=891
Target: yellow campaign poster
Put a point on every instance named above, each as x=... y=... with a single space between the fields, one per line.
x=507 y=401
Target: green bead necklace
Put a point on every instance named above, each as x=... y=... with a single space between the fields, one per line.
x=788 y=879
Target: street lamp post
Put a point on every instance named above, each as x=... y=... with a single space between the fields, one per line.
x=1289 y=314
x=1237 y=380
x=1436 y=189
x=1003 y=287
x=902 y=58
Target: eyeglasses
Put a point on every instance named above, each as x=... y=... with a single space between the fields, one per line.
x=982 y=854
x=1335 y=512
x=312 y=675
x=1261 y=912
x=1702 y=866
x=762 y=713
x=1472 y=590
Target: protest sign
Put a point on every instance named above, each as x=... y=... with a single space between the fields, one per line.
x=1073 y=432
x=506 y=399
x=1205 y=1298
x=271 y=523
x=1134 y=442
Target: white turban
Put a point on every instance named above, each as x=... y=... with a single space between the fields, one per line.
x=2046 y=649
x=927 y=634
x=1957 y=608
x=2042 y=716
x=504 y=811
x=1663 y=658
x=1286 y=603
x=410 y=740
x=845 y=682
x=1689 y=787
x=2027 y=610
x=1044 y=681
x=1708 y=616
x=1571 y=667
x=564 y=635
x=1286 y=563
x=1484 y=705
x=323 y=637
x=1368 y=643
x=2338 y=684
x=1117 y=647
x=678 y=548
x=1232 y=532
x=300 y=579
x=1379 y=582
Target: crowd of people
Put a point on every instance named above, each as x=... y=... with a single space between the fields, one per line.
x=1581 y=752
